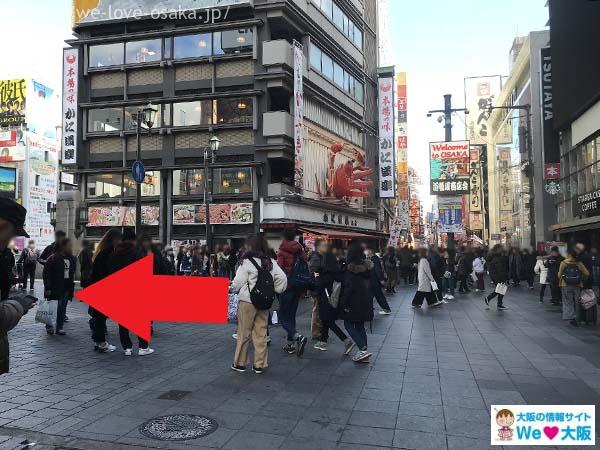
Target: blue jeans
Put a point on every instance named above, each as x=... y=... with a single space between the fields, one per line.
x=357 y=333
x=61 y=312
x=448 y=285
x=288 y=306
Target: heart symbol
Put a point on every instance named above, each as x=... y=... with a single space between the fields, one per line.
x=551 y=432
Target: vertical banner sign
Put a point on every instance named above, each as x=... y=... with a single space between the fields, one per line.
x=475 y=197
x=504 y=163
x=549 y=135
x=480 y=94
x=387 y=188
x=402 y=148
x=395 y=232
x=298 y=115
x=70 y=104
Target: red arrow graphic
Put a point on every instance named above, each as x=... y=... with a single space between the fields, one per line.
x=133 y=297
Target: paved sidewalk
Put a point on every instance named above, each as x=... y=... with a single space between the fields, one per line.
x=433 y=376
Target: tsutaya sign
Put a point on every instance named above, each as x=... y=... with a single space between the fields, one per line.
x=92 y=11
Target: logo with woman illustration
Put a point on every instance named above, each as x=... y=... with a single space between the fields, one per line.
x=505 y=420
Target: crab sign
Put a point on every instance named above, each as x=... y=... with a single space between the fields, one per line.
x=348 y=180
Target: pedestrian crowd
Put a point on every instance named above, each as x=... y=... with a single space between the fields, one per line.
x=267 y=285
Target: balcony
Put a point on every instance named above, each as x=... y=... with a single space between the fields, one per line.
x=277 y=53
x=278 y=127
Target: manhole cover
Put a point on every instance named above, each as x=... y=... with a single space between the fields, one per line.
x=178 y=427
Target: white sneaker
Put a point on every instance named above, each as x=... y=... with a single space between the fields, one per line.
x=128 y=352
x=383 y=312
x=476 y=290
x=445 y=301
x=107 y=347
x=234 y=336
x=145 y=351
x=436 y=304
x=321 y=346
x=362 y=356
x=445 y=296
x=450 y=297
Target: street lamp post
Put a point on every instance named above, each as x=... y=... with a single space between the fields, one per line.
x=214 y=145
x=145 y=116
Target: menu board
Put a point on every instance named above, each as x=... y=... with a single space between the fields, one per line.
x=220 y=214
x=121 y=216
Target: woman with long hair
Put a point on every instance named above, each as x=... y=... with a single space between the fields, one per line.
x=100 y=270
x=253 y=322
x=425 y=290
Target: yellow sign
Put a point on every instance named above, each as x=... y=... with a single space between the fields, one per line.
x=82 y=8
x=12 y=102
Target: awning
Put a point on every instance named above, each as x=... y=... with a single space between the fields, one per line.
x=336 y=234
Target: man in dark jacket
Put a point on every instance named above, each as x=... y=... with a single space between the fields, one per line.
x=553 y=265
x=528 y=262
x=497 y=263
x=28 y=259
x=390 y=265
x=12 y=308
x=464 y=269
x=289 y=251
x=377 y=278
x=59 y=276
x=315 y=263
x=7 y=276
x=405 y=263
x=125 y=254
x=437 y=264
x=50 y=249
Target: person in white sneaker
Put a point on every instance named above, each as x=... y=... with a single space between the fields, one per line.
x=329 y=272
x=479 y=270
x=356 y=299
x=425 y=289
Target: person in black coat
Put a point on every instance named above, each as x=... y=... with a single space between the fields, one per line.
x=7 y=277
x=497 y=264
x=377 y=278
x=125 y=254
x=100 y=270
x=438 y=265
x=329 y=272
x=553 y=264
x=464 y=269
x=528 y=262
x=85 y=258
x=51 y=249
x=356 y=299
x=59 y=284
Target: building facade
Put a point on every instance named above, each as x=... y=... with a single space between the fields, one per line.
x=520 y=210
x=575 y=108
x=231 y=77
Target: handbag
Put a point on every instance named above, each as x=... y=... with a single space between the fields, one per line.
x=588 y=299
x=434 y=286
x=334 y=297
x=474 y=277
x=46 y=312
x=501 y=288
x=232 y=307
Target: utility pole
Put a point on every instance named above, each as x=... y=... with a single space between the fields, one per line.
x=447 y=112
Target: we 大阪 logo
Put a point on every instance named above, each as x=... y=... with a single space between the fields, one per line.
x=552 y=425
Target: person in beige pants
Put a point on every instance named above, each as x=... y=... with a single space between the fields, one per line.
x=252 y=323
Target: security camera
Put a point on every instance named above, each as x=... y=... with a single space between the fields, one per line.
x=440 y=119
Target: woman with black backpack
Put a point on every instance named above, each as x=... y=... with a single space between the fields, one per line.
x=356 y=299
x=257 y=280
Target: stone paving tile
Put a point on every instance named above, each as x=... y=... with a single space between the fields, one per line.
x=368 y=436
x=418 y=440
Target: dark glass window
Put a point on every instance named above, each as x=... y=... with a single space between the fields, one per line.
x=150 y=186
x=188 y=182
x=105 y=185
x=105 y=119
x=232 y=181
x=192 y=46
x=106 y=55
x=187 y=114
x=327 y=66
x=234 y=110
x=358 y=38
x=232 y=41
x=338 y=75
x=315 y=57
x=131 y=112
x=143 y=51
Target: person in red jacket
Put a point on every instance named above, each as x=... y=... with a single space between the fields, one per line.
x=289 y=250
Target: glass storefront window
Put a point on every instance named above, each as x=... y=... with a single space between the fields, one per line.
x=573 y=157
x=232 y=181
x=232 y=41
x=105 y=119
x=150 y=186
x=234 y=110
x=129 y=187
x=143 y=51
x=188 y=182
x=131 y=111
x=192 y=113
x=106 y=55
x=106 y=185
x=193 y=46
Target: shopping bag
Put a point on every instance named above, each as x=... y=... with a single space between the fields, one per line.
x=334 y=297
x=474 y=277
x=434 y=286
x=274 y=318
x=232 y=308
x=46 y=312
x=588 y=299
x=501 y=288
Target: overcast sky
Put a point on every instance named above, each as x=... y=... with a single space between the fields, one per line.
x=438 y=42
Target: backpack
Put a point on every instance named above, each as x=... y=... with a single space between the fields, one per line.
x=262 y=295
x=31 y=257
x=299 y=277
x=572 y=275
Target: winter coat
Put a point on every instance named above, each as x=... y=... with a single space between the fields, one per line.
x=125 y=254
x=85 y=266
x=7 y=278
x=405 y=257
x=356 y=298
x=515 y=265
x=553 y=265
x=595 y=272
x=541 y=269
x=425 y=276
x=56 y=285
x=100 y=265
x=498 y=268
x=315 y=262
x=11 y=312
x=479 y=265
x=288 y=251
x=436 y=264
x=568 y=261
x=529 y=262
x=47 y=253
x=246 y=275
x=325 y=282
x=185 y=265
x=465 y=264
x=29 y=257
x=389 y=262
x=379 y=274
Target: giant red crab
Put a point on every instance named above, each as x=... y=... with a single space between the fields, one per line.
x=349 y=180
